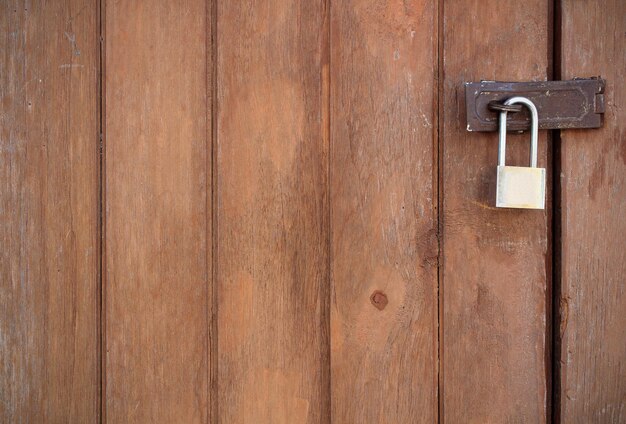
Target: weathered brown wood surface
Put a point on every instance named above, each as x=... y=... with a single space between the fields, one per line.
x=383 y=211
x=272 y=212
x=292 y=223
x=157 y=223
x=49 y=307
x=495 y=261
x=593 y=222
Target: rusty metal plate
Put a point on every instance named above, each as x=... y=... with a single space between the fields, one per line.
x=577 y=103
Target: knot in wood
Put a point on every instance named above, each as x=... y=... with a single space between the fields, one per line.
x=379 y=300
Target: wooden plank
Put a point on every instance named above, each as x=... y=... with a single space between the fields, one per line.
x=495 y=261
x=593 y=186
x=384 y=211
x=158 y=219
x=49 y=173
x=272 y=216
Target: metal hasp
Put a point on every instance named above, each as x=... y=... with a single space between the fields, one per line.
x=577 y=103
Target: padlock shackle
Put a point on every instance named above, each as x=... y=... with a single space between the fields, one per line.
x=534 y=130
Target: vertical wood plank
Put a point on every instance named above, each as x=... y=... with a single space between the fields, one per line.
x=384 y=211
x=157 y=211
x=49 y=172
x=593 y=185
x=272 y=216
x=495 y=261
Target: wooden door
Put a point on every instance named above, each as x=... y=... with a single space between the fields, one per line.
x=271 y=212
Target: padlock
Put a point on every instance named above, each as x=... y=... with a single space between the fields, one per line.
x=518 y=186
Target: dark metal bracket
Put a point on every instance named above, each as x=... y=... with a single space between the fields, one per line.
x=577 y=103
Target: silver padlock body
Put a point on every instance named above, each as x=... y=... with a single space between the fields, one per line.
x=521 y=187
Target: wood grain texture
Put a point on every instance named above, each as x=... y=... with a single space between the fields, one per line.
x=593 y=184
x=49 y=286
x=157 y=224
x=495 y=261
x=384 y=211
x=272 y=216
